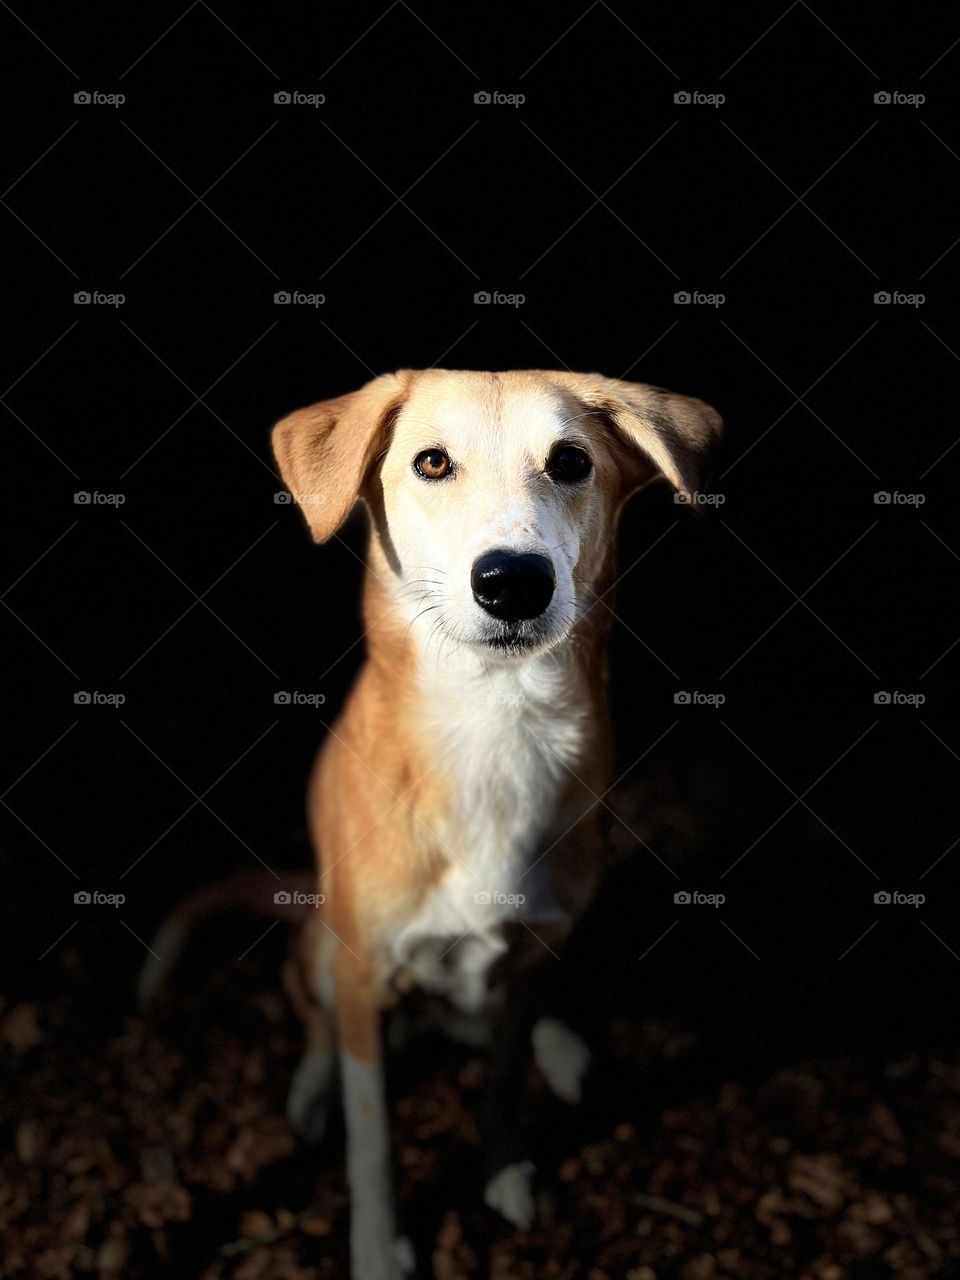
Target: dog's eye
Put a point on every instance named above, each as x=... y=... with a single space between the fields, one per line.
x=568 y=464
x=432 y=464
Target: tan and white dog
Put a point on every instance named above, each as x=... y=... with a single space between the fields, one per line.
x=454 y=803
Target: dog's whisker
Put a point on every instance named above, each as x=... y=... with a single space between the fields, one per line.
x=429 y=609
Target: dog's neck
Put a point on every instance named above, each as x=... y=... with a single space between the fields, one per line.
x=506 y=749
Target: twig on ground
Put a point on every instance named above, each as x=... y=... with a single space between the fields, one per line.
x=657 y=1204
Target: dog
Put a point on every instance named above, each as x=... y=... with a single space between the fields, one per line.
x=453 y=807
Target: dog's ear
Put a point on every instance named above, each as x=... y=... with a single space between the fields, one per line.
x=668 y=434
x=325 y=451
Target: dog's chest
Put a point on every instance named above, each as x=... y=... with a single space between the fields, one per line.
x=505 y=747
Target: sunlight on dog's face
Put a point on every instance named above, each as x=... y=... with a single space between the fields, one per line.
x=494 y=496
x=499 y=505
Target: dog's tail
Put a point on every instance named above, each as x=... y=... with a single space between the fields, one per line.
x=260 y=893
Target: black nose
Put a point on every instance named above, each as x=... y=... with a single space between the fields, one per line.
x=512 y=587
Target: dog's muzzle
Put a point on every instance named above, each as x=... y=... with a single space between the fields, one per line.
x=512 y=586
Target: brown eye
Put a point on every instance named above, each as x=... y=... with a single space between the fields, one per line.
x=432 y=464
x=568 y=464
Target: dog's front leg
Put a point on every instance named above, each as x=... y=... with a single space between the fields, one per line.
x=375 y=1252
x=509 y=1169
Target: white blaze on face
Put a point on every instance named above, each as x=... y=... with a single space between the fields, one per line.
x=497 y=497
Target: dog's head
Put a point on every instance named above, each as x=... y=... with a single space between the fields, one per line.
x=494 y=495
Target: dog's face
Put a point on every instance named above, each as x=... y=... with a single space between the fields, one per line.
x=495 y=495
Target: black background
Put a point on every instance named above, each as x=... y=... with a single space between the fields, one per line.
x=399 y=198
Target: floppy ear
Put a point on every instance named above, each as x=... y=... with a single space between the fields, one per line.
x=669 y=434
x=325 y=452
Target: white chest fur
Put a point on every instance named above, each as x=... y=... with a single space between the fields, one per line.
x=505 y=738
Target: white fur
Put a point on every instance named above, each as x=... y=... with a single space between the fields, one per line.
x=375 y=1252
x=562 y=1057
x=504 y=734
x=510 y=1193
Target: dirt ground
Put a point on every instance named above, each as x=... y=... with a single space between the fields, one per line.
x=140 y=1149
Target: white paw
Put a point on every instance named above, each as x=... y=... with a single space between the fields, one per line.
x=375 y=1257
x=562 y=1057
x=509 y=1192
